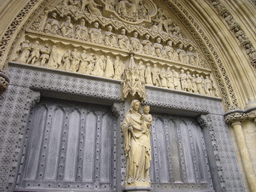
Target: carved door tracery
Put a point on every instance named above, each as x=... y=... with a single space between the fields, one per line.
x=69 y=145
x=179 y=157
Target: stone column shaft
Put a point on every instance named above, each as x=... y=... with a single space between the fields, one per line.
x=237 y=126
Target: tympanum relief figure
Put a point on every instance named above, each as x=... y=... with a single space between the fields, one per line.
x=110 y=37
x=95 y=34
x=45 y=54
x=81 y=31
x=123 y=40
x=136 y=130
x=66 y=28
x=52 y=25
x=35 y=53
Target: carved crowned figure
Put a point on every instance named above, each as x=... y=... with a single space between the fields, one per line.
x=136 y=130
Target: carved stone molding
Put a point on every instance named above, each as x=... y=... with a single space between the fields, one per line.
x=237 y=30
x=4 y=81
x=240 y=115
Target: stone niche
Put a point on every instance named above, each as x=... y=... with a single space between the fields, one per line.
x=72 y=74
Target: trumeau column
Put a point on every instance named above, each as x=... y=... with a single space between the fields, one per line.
x=236 y=120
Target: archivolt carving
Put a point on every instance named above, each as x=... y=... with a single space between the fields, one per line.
x=236 y=28
x=227 y=91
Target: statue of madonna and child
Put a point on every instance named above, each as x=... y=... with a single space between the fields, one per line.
x=136 y=130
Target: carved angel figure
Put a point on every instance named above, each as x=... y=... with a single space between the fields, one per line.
x=82 y=31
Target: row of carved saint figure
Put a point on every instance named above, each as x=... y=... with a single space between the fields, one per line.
x=121 y=41
x=102 y=66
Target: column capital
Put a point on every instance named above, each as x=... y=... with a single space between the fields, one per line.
x=238 y=115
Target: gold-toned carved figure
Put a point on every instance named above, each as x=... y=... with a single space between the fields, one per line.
x=155 y=76
x=110 y=37
x=66 y=58
x=84 y=62
x=147 y=45
x=118 y=68
x=123 y=41
x=66 y=28
x=109 y=71
x=35 y=53
x=52 y=25
x=95 y=34
x=45 y=54
x=136 y=46
x=158 y=47
x=176 y=80
x=91 y=7
x=25 y=51
x=82 y=31
x=169 y=77
x=99 y=67
x=148 y=77
x=75 y=61
x=163 y=78
x=54 y=60
x=136 y=130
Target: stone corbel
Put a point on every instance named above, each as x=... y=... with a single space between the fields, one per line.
x=117 y=109
x=4 y=81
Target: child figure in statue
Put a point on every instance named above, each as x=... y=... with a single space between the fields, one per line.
x=147 y=120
